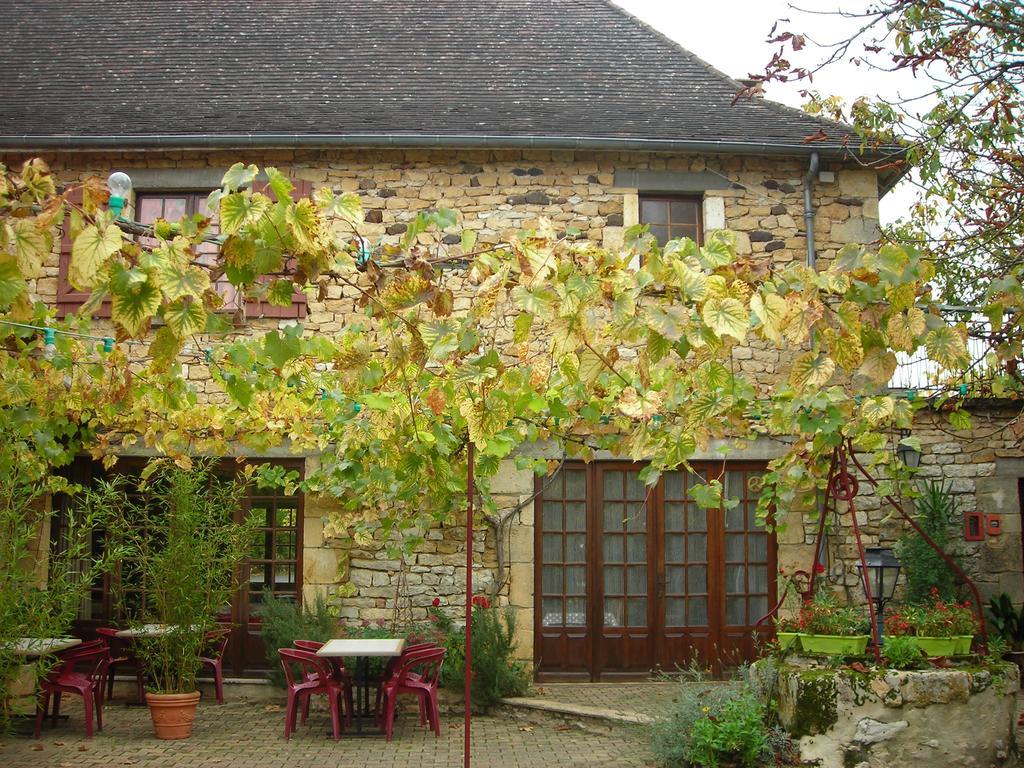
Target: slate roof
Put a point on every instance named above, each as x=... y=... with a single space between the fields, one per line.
x=430 y=72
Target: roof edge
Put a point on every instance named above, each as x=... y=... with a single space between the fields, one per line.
x=447 y=141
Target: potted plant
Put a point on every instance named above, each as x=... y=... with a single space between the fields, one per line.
x=828 y=628
x=186 y=549
x=1008 y=623
x=939 y=628
x=787 y=632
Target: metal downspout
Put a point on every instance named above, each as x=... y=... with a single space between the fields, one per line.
x=812 y=172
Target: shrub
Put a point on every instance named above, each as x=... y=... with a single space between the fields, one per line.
x=186 y=549
x=736 y=733
x=26 y=609
x=901 y=652
x=709 y=723
x=923 y=567
x=496 y=673
x=285 y=621
x=1007 y=621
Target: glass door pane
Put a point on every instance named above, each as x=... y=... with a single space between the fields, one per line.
x=747 y=584
x=624 y=546
x=685 y=548
x=563 y=597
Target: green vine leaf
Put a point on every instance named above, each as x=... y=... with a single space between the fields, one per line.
x=90 y=252
x=727 y=317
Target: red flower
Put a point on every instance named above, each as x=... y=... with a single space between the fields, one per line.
x=481 y=601
x=819 y=568
x=436 y=602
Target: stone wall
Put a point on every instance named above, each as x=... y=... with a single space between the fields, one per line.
x=981 y=467
x=930 y=719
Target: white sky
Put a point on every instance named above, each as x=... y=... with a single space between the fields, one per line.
x=731 y=35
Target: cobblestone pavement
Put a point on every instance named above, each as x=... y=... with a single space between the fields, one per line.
x=250 y=735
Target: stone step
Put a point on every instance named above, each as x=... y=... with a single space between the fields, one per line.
x=578 y=715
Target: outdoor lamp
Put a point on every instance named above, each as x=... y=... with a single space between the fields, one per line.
x=120 y=185
x=883 y=570
x=909 y=455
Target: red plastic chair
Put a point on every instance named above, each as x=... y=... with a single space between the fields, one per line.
x=213 y=657
x=81 y=671
x=121 y=655
x=339 y=673
x=389 y=671
x=316 y=678
x=422 y=685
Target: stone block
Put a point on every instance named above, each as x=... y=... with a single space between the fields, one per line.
x=856 y=229
x=319 y=566
x=858 y=183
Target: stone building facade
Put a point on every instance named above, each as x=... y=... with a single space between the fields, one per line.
x=495 y=193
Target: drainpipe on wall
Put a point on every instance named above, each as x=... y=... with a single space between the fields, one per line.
x=812 y=172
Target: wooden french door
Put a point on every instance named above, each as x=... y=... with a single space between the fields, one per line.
x=631 y=578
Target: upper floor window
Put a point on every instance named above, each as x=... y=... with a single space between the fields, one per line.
x=172 y=206
x=671 y=218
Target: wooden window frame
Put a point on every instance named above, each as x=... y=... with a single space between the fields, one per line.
x=697 y=200
x=253 y=308
x=69 y=300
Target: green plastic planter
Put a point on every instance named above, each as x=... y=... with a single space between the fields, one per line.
x=938 y=646
x=834 y=645
x=963 y=644
x=788 y=641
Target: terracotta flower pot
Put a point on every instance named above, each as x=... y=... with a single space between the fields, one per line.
x=172 y=713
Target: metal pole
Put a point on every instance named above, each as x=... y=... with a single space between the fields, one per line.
x=467 y=693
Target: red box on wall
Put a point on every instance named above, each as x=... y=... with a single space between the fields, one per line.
x=993 y=525
x=973 y=530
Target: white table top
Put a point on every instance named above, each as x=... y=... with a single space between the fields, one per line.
x=362 y=647
x=40 y=646
x=146 y=630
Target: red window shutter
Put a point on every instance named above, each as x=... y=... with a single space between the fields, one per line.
x=70 y=300
x=298 y=309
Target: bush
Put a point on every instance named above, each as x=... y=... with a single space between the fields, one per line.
x=923 y=567
x=736 y=733
x=713 y=722
x=285 y=621
x=496 y=673
x=26 y=610
x=186 y=549
x=901 y=652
